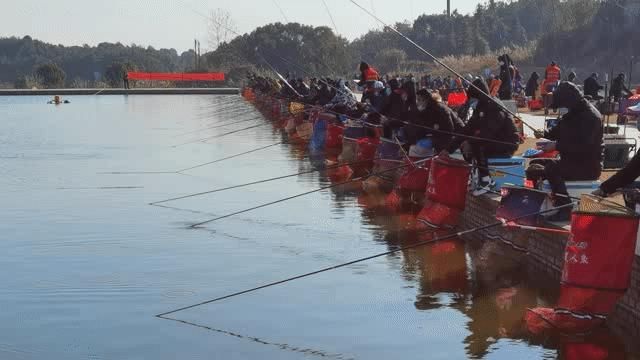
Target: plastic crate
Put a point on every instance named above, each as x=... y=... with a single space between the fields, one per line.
x=508 y=171
x=616 y=153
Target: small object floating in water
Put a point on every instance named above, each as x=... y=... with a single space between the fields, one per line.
x=57 y=101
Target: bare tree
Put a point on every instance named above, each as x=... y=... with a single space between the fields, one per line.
x=222 y=28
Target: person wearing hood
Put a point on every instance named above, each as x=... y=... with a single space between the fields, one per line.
x=618 y=88
x=572 y=77
x=507 y=73
x=323 y=94
x=532 y=85
x=396 y=108
x=489 y=121
x=432 y=118
x=592 y=87
x=578 y=138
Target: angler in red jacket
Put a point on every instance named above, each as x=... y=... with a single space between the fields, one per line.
x=368 y=78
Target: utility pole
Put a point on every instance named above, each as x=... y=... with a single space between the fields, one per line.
x=195 y=53
x=449 y=8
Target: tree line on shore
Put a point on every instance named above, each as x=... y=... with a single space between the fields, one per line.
x=586 y=35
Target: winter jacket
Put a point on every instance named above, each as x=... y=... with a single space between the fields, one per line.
x=591 y=87
x=532 y=85
x=438 y=121
x=618 y=88
x=578 y=134
x=488 y=121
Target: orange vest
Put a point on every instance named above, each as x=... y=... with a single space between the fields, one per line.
x=371 y=74
x=495 y=87
x=553 y=74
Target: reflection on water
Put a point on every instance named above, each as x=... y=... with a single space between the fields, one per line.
x=88 y=263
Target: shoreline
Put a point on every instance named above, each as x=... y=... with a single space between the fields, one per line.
x=137 y=91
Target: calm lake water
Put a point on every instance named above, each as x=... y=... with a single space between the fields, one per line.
x=87 y=263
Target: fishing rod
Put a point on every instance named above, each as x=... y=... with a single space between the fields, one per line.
x=439 y=62
x=295 y=196
x=278 y=74
x=218 y=126
x=352 y=262
x=181 y=172
x=220 y=135
x=341 y=90
x=232 y=156
x=262 y=181
x=406 y=122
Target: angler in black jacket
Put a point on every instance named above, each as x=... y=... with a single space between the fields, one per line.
x=489 y=122
x=532 y=85
x=432 y=118
x=591 y=87
x=618 y=88
x=396 y=110
x=578 y=138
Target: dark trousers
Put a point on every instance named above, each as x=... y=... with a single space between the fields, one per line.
x=126 y=83
x=482 y=151
x=550 y=170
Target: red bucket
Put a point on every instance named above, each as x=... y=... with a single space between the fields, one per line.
x=456 y=99
x=437 y=215
x=600 y=251
x=367 y=147
x=448 y=181
x=415 y=179
x=334 y=136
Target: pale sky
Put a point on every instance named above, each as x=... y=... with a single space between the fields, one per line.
x=175 y=23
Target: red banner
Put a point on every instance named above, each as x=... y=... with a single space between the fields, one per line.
x=176 y=76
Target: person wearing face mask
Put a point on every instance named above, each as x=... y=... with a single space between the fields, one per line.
x=489 y=121
x=432 y=118
x=396 y=108
x=579 y=139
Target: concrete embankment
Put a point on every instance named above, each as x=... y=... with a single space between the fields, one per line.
x=138 y=91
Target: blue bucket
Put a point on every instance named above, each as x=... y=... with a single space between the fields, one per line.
x=319 y=135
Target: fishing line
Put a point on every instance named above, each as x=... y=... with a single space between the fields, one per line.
x=218 y=126
x=281 y=12
x=330 y=16
x=387 y=253
x=295 y=196
x=439 y=62
x=181 y=172
x=262 y=181
x=401 y=121
x=232 y=156
x=341 y=91
x=220 y=135
x=305 y=351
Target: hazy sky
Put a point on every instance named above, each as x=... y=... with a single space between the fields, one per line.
x=175 y=23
